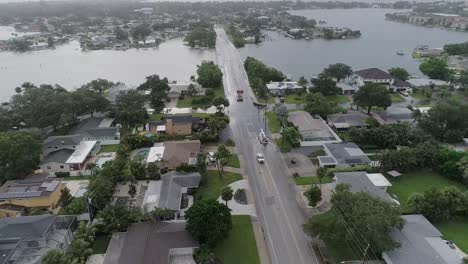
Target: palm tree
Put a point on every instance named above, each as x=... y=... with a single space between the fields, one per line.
x=160 y=214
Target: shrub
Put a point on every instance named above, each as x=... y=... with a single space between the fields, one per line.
x=313 y=195
x=229 y=142
x=187 y=168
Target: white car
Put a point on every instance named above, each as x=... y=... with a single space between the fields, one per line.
x=260 y=158
x=211 y=157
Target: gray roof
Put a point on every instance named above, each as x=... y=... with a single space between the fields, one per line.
x=101 y=132
x=148 y=243
x=86 y=124
x=25 y=226
x=58 y=156
x=182 y=119
x=28 y=188
x=394 y=118
x=374 y=73
x=62 y=140
x=359 y=182
x=352 y=118
x=421 y=243
x=347 y=153
x=172 y=187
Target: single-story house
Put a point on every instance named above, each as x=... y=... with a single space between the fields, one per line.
x=347 y=87
x=393 y=115
x=375 y=184
x=80 y=156
x=100 y=129
x=420 y=243
x=314 y=130
x=170 y=191
x=151 y=243
x=344 y=154
x=56 y=161
x=281 y=88
x=181 y=88
x=348 y=120
x=177 y=153
x=182 y=125
x=60 y=142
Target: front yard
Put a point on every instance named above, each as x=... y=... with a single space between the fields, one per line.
x=456 y=230
x=240 y=246
x=233 y=161
x=213 y=184
x=295 y=99
x=312 y=180
x=187 y=102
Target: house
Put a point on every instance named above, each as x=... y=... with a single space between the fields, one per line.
x=375 y=75
x=56 y=161
x=178 y=89
x=393 y=115
x=26 y=239
x=100 y=129
x=375 y=184
x=55 y=143
x=314 y=131
x=281 y=88
x=420 y=243
x=170 y=191
x=33 y=192
x=182 y=125
x=344 y=154
x=347 y=87
x=348 y=120
x=177 y=153
x=151 y=243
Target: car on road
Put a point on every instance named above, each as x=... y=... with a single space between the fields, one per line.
x=211 y=157
x=260 y=158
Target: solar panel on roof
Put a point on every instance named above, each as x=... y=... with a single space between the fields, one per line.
x=351 y=161
x=10 y=195
x=52 y=186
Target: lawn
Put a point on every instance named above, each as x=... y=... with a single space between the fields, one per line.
x=240 y=246
x=419 y=181
x=100 y=244
x=211 y=188
x=396 y=98
x=295 y=99
x=283 y=148
x=337 y=99
x=74 y=178
x=311 y=180
x=233 y=161
x=187 y=101
x=109 y=148
x=273 y=122
x=155 y=117
x=456 y=230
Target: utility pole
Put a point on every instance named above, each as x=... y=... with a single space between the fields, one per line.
x=265 y=119
x=365 y=253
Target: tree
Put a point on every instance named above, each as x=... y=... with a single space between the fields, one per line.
x=317 y=104
x=201 y=163
x=370 y=95
x=369 y=217
x=292 y=136
x=118 y=218
x=19 y=154
x=140 y=32
x=77 y=206
x=221 y=103
x=120 y=34
x=159 y=90
x=81 y=246
x=161 y=214
x=324 y=85
x=303 y=82
x=208 y=221
x=209 y=75
x=99 y=85
x=192 y=90
x=226 y=194
x=313 y=195
x=435 y=68
x=222 y=157
x=137 y=168
x=399 y=73
x=338 y=71
x=130 y=109
x=65 y=197
x=202 y=37
x=54 y=256
x=152 y=171
x=281 y=114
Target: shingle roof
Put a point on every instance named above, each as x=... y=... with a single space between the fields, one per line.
x=59 y=156
x=25 y=226
x=102 y=132
x=347 y=153
x=400 y=83
x=359 y=182
x=173 y=183
x=421 y=243
x=374 y=73
x=177 y=153
x=352 y=118
x=62 y=140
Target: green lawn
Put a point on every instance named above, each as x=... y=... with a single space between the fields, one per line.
x=420 y=181
x=336 y=99
x=396 y=98
x=283 y=148
x=311 y=180
x=211 y=188
x=156 y=117
x=187 y=101
x=295 y=99
x=240 y=246
x=269 y=100
x=233 y=161
x=456 y=230
x=100 y=244
x=109 y=148
x=273 y=122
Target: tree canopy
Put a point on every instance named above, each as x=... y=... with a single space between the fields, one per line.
x=202 y=37
x=435 y=68
x=338 y=71
x=317 y=104
x=324 y=85
x=130 y=109
x=208 y=221
x=399 y=73
x=141 y=32
x=456 y=49
x=209 y=75
x=372 y=95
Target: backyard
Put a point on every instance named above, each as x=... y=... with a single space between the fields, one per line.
x=109 y=148
x=295 y=99
x=456 y=230
x=213 y=184
x=420 y=181
x=240 y=245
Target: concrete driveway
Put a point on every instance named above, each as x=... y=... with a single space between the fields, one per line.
x=303 y=165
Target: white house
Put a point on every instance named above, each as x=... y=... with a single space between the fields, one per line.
x=281 y=88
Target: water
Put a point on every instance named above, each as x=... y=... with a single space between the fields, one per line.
x=376 y=47
x=69 y=67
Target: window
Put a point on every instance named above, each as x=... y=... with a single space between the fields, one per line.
x=61 y=166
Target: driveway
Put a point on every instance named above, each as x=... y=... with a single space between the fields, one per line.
x=303 y=166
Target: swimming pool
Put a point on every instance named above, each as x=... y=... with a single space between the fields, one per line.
x=142 y=154
x=101 y=160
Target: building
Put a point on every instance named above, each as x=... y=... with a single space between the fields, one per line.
x=347 y=87
x=348 y=120
x=344 y=154
x=420 y=243
x=170 y=191
x=56 y=161
x=100 y=129
x=375 y=75
x=314 y=131
x=374 y=184
x=34 y=192
x=60 y=142
x=151 y=243
x=393 y=115
x=178 y=89
x=26 y=239
x=182 y=125
x=177 y=153
x=281 y=88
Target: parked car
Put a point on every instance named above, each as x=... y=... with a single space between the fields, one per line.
x=211 y=157
x=281 y=99
x=260 y=158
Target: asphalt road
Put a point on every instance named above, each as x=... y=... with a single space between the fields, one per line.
x=273 y=189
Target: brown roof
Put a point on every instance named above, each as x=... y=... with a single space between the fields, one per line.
x=177 y=153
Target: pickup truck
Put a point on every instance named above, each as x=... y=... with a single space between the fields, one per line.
x=240 y=95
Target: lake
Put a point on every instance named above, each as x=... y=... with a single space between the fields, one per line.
x=376 y=47
x=70 y=67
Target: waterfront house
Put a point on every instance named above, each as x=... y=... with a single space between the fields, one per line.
x=178 y=89
x=55 y=143
x=282 y=88
x=375 y=75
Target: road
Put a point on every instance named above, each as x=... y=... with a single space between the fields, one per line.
x=273 y=189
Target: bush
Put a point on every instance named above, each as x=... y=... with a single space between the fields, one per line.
x=313 y=195
x=187 y=168
x=204 y=255
x=229 y=142
x=205 y=137
x=62 y=174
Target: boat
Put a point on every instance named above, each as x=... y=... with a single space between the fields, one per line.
x=400 y=52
